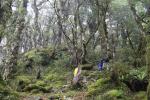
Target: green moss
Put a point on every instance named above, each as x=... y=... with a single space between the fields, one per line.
x=26 y=79
x=148 y=54
x=21 y=82
x=6 y=93
x=61 y=62
x=70 y=93
x=86 y=66
x=35 y=88
x=148 y=39
x=34 y=55
x=140 y=96
x=40 y=56
x=53 y=77
x=2 y=84
x=99 y=86
x=40 y=83
x=114 y=93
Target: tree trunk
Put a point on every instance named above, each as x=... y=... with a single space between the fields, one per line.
x=5 y=13
x=148 y=65
x=10 y=68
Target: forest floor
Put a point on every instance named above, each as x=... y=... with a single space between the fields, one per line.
x=55 y=80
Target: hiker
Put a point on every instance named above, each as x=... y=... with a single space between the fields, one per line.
x=103 y=62
x=76 y=73
x=100 y=65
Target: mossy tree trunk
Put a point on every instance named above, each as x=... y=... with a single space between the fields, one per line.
x=20 y=24
x=5 y=13
x=148 y=65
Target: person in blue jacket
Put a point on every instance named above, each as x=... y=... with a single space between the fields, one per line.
x=101 y=63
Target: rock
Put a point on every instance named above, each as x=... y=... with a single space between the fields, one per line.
x=137 y=85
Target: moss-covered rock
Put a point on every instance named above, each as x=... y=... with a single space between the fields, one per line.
x=40 y=56
x=99 y=86
x=86 y=66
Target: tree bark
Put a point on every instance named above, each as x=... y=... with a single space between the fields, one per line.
x=10 y=68
x=148 y=65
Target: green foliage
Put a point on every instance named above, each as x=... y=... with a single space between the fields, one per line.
x=6 y=93
x=70 y=93
x=106 y=90
x=93 y=56
x=54 y=78
x=121 y=67
x=147 y=25
x=98 y=87
x=33 y=60
x=91 y=74
x=33 y=54
x=36 y=88
x=119 y=70
x=148 y=54
x=27 y=79
x=21 y=82
x=138 y=73
x=1 y=30
x=119 y=3
x=113 y=94
x=126 y=55
x=55 y=66
x=39 y=56
x=140 y=96
x=40 y=83
x=2 y=84
x=62 y=61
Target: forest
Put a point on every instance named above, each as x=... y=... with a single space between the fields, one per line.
x=74 y=49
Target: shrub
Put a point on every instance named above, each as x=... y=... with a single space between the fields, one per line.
x=119 y=71
x=137 y=73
